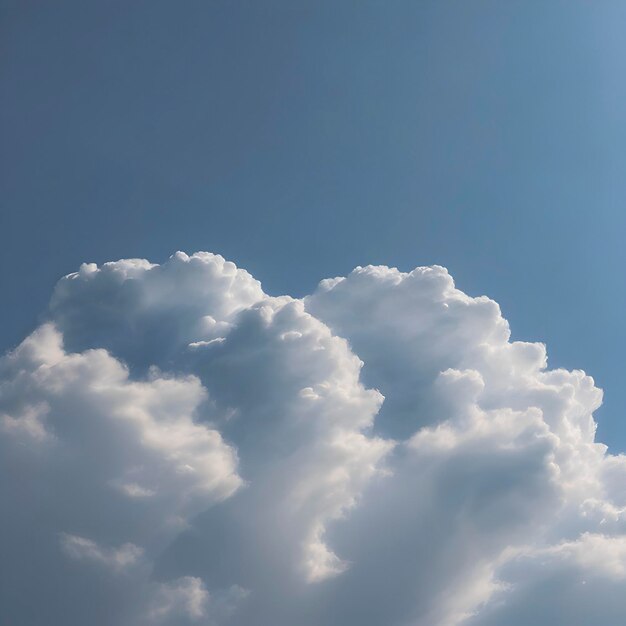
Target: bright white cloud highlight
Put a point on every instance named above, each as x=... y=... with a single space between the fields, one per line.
x=182 y=448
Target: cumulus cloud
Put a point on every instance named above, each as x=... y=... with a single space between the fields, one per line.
x=186 y=600
x=180 y=447
x=117 y=558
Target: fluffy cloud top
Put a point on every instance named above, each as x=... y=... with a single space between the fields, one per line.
x=177 y=447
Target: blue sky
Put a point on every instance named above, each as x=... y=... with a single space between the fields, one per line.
x=300 y=139
x=178 y=447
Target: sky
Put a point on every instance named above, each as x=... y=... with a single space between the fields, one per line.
x=301 y=139
x=383 y=415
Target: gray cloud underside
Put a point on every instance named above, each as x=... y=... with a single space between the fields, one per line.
x=177 y=447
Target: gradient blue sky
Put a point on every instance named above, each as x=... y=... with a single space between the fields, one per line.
x=300 y=139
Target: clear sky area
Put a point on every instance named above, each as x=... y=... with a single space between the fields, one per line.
x=300 y=139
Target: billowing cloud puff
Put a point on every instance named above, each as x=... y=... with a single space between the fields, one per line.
x=177 y=447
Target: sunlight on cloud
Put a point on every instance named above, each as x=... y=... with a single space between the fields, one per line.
x=378 y=452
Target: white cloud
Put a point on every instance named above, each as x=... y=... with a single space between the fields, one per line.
x=116 y=558
x=240 y=445
x=186 y=599
x=187 y=596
